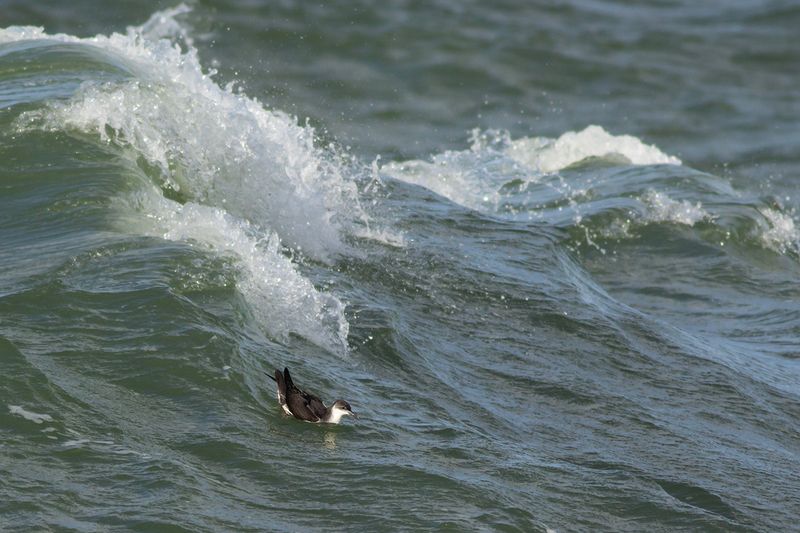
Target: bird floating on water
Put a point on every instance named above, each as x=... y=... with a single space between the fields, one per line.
x=305 y=406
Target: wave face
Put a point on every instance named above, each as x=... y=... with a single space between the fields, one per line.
x=600 y=186
x=218 y=170
x=582 y=315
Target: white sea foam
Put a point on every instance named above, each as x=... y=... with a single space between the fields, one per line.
x=36 y=418
x=251 y=179
x=550 y=155
x=281 y=299
x=454 y=175
x=782 y=234
x=662 y=208
x=471 y=178
x=212 y=145
x=475 y=178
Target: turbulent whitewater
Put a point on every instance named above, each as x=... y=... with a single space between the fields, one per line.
x=218 y=169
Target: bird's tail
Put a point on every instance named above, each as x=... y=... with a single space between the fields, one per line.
x=281 y=385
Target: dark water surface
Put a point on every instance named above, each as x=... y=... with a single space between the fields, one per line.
x=548 y=251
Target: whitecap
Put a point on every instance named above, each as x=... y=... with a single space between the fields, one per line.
x=36 y=418
x=230 y=175
x=547 y=155
x=662 y=208
x=782 y=234
x=477 y=177
x=282 y=300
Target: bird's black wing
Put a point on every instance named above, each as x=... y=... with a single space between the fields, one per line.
x=281 y=386
x=316 y=405
x=300 y=405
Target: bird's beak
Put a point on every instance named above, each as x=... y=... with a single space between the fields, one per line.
x=354 y=415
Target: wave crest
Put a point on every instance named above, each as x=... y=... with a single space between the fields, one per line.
x=550 y=155
x=600 y=187
x=229 y=173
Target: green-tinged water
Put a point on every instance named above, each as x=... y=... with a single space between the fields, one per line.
x=549 y=254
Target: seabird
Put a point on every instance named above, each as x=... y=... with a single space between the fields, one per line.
x=305 y=406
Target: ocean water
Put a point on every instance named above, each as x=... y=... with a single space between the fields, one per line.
x=548 y=251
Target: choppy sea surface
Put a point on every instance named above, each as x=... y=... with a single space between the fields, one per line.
x=549 y=251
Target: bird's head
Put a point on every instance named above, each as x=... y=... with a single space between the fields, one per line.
x=341 y=408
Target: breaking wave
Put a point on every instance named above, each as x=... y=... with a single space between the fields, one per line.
x=222 y=171
x=598 y=186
